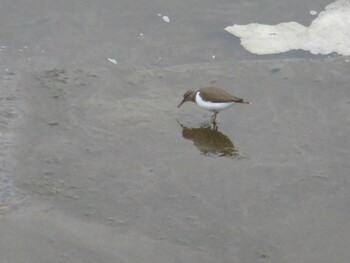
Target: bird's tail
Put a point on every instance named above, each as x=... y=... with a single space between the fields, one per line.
x=243 y=101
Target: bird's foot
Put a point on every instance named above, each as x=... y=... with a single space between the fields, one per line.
x=213 y=118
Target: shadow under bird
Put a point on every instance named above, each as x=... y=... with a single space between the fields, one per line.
x=212 y=99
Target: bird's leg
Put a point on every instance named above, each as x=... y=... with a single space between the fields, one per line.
x=213 y=118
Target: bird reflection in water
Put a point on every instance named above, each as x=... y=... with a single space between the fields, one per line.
x=210 y=141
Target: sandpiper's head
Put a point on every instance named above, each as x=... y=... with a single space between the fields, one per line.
x=188 y=96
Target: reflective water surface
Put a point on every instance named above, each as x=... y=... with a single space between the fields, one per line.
x=210 y=141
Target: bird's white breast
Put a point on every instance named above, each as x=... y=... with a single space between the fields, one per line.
x=212 y=106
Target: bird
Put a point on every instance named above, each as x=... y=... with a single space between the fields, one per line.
x=211 y=98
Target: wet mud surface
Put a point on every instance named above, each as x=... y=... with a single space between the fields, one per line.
x=8 y=112
x=99 y=165
x=116 y=155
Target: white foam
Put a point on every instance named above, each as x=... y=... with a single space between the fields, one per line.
x=166 y=19
x=112 y=60
x=328 y=32
x=313 y=12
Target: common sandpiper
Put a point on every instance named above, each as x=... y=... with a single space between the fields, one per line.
x=212 y=99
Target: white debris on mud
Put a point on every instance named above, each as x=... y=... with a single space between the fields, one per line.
x=328 y=33
x=112 y=61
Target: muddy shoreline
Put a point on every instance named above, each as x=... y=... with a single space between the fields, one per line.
x=98 y=164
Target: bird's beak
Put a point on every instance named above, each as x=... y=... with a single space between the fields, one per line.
x=182 y=102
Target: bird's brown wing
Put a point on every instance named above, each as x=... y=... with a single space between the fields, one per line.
x=215 y=94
